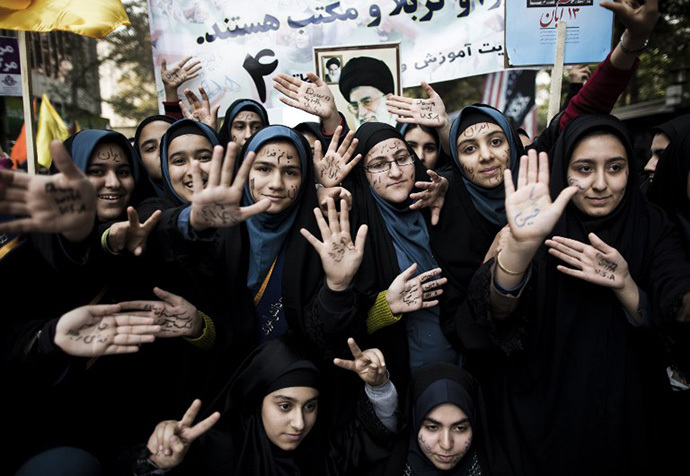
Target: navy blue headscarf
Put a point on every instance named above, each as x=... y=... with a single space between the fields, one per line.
x=489 y=202
x=233 y=110
x=167 y=138
x=268 y=231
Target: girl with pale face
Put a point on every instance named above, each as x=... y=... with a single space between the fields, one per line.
x=390 y=170
x=243 y=118
x=276 y=174
x=147 y=140
x=184 y=143
x=424 y=144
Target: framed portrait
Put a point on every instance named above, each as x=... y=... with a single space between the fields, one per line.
x=361 y=77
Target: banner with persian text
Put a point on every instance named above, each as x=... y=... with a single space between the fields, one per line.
x=242 y=45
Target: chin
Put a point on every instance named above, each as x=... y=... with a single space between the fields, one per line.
x=109 y=214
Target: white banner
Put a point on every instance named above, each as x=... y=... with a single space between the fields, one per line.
x=10 y=74
x=242 y=45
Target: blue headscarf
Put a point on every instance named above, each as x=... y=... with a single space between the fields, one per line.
x=167 y=138
x=489 y=202
x=267 y=232
x=233 y=110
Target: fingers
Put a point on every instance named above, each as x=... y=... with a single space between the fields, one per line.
x=164 y=65
x=192 y=98
x=315 y=79
x=564 y=197
x=191 y=413
x=101 y=310
x=130 y=338
x=124 y=320
x=336 y=137
x=243 y=173
x=409 y=272
x=318 y=152
x=565 y=256
x=599 y=244
x=204 y=96
x=152 y=221
x=429 y=274
x=216 y=165
x=197 y=181
x=311 y=238
x=354 y=348
x=229 y=165
x=333 y=222
x=532 y=167
x=543 y=174
x=428 y=304
x=344 y=216
x=361 y=238
x=345 y=364
x=259 y=207
x=569 y=243
x=63 y=161
x=132 y=218
x=522 y=173
x=321 y=222
x=428 y=89
x=435 y=216
x=202 y=427
x=185 y=112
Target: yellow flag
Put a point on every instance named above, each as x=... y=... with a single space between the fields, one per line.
x=50 y=127
x=93 y=18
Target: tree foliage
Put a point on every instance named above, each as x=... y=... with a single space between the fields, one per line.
x=130 y=50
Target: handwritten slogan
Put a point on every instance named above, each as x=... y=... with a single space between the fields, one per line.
x=10 y=77
x=242 y=45
x=531 y=31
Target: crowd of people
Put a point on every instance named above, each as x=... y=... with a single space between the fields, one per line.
x=436 y=298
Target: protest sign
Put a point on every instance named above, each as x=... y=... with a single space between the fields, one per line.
x=241 y=46
x=10 y=74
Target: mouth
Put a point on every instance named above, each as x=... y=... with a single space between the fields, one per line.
x=293 y=436
x=274 y=198
x=598 y=201
x=490 y=171
x=445 y=458
x=111 y=197
x=400 y=182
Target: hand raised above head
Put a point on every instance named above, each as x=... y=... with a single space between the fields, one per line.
x=314 y=97
x=332 y=167
x=429 y=112
x=200 y=110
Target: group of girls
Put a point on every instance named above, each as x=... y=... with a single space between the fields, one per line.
x=248 y=268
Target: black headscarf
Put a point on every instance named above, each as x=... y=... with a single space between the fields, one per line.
x=443 y=159
x=434 y=385
x=673 y=128
x=157 y=185
x=181 y=127
x=314 y=128
x=225 y=134
x=576 y=341
x=365 y=71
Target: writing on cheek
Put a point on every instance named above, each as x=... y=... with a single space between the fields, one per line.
x=423 y=444
x=67 y=199
x=573 y=182
x=292 y=192
x=469 y=171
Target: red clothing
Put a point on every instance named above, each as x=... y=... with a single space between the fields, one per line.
x=173 y=109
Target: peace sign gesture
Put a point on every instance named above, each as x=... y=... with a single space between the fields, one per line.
x=218 y=205
x=340 y=257
x=170 y=440
x=330 y=169
x=131 y=234
x=369 y=364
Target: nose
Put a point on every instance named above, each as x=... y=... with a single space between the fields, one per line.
x=297 y=422
x=445 y=441
x=112 y=180
x=650 y=168
x=599 y=184
x=395 y=170
x=276 y=180
x=485 y=154
x=419 y=150
x=246 y=134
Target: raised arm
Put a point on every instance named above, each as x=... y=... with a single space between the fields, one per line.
x=314 y=97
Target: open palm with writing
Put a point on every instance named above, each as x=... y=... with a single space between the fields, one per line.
x=176 y=316
x=409 y=293
x=333 y=166
x=218 y=205
x=597 y=263
x=200 y=110
x=531 y=213
x=314 y=97
x=429 y=112
x=340 y=256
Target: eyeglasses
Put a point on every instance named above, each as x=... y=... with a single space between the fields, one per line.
x=370 y=104
x=381 y=166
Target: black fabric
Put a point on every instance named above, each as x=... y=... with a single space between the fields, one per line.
x=314 y=128
x=433 y=385
x=365 y=71
x=238 y=444
x=675 y=128
x=460 y=242
x=474 y=116
x=579 y=393
x=240 y=105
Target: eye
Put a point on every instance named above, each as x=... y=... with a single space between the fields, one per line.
x=366 y=102
x=584 y=169
x=124 y=172
x=496 y=141
x=284 y=407
x=469 y=149
x=376 y=166
x=616 y=167
x=94 y=172
x=238 y=127
x=204 y=157
x=430 y=148
x=310 y=407
x=179 y=161
x=150 y=148
x=431 y=427
x=461 y=428
x=291 y=172
x=256 y=128
x=262 y=168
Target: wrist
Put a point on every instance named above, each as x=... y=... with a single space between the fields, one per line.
x=194 y=222
x=338 y=286
x=633 y=44
x=171 y=94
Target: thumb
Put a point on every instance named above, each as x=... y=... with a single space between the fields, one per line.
x=615 y=7
x=164 y=64
x=165 y=296
x=564 y=197
x=409 y=272
x=63 y=161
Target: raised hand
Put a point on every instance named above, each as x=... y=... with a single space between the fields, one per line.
x=218 y=205
x=131 y=234
x=432 y=196
x=579 y=73
x=96 y=330
x=369 y=364
x=427 y=112
x=62 y=203
x=597 y=263
x=200 y=110
x=314 y=97
x=181 y=72
x=173 y=314
x=170 y=440
x=530 y=212
x=409 y=293
x=330 y=169
x=336 y=194
x=638 y=18
x=340 y=257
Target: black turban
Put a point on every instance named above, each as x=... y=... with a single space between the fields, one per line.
x=365 y=71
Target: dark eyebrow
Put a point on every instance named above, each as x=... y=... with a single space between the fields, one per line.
x=283 y=397
x=434 y=422
x=471 y=139
x=586 y=160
